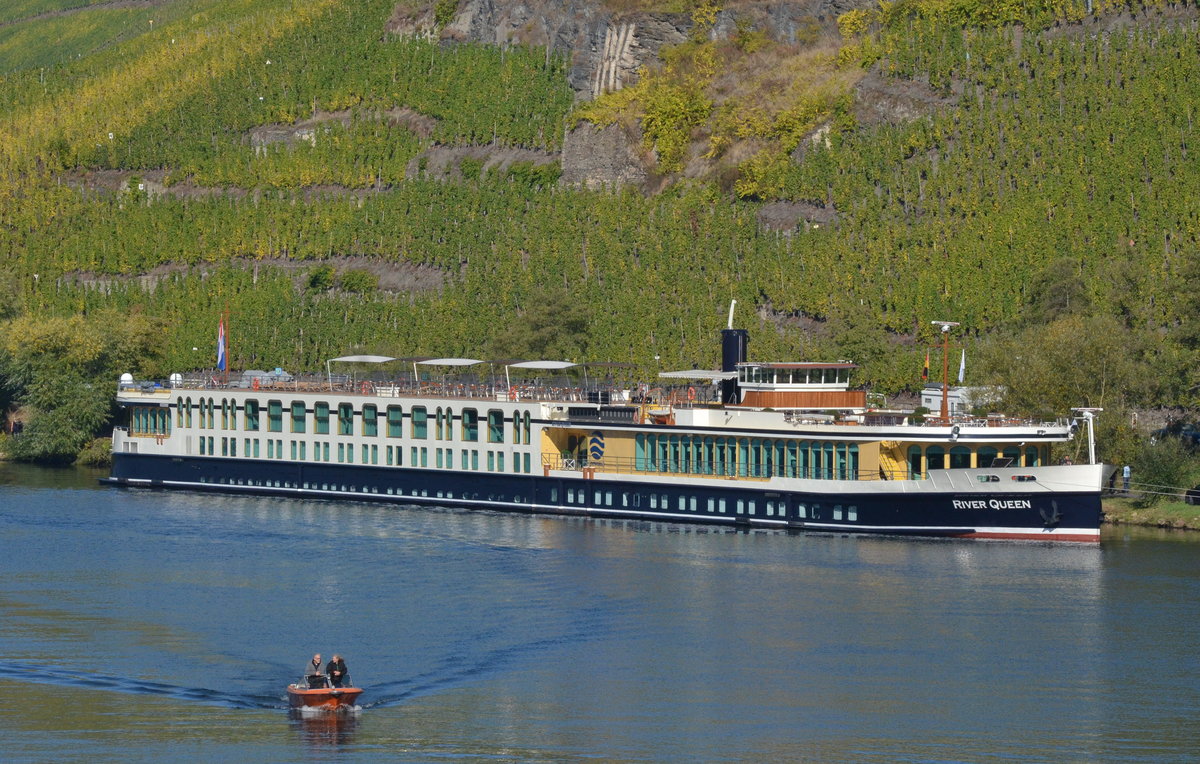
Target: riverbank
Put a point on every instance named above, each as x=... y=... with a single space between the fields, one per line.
x=1165 y=514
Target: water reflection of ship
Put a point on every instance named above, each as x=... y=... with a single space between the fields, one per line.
x=324 y=730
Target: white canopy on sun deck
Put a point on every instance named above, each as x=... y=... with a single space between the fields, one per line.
x=354 y=359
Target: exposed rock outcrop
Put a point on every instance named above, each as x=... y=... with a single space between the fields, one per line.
x=595 y=157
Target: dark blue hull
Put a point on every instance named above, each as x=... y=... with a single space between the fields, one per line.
x=1054 y=517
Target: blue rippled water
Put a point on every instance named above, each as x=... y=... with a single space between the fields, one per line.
x=149 y=626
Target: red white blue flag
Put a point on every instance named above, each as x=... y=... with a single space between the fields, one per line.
x=221 y=345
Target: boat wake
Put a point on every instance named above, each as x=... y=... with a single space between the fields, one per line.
x=133 y=686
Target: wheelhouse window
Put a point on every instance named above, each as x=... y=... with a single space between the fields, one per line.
x=321 y=418
x=395 y=422
x=420 y=423
x=298 y=415
x=370 y=420
x=495 y=426
x=470 y=425
x=275 y=416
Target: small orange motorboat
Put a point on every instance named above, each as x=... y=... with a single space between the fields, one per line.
x=316 y=691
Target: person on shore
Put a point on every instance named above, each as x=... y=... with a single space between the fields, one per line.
x=337 y=671
x=1125 y=478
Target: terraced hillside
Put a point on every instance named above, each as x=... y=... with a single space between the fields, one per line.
x=335 y=186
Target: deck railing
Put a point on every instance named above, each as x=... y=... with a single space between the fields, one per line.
x=715 y=470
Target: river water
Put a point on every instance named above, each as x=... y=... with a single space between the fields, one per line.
x=157 y=626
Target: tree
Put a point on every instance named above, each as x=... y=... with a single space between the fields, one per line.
x=63 y=372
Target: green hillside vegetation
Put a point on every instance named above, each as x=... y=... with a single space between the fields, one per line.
x=1044 y=210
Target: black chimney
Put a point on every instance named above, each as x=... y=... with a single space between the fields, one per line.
x=733 y=352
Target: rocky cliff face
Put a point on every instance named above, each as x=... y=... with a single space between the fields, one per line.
x=606 y=48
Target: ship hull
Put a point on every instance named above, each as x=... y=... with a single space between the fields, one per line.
x=915 y=508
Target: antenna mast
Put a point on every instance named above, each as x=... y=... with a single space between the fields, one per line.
x=946 y=326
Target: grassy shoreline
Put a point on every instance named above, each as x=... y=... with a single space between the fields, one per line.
x=1165 y=514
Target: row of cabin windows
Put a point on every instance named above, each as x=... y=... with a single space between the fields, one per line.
x=921 y=460
x=793 y=376
x=773 y=507
x=746 y=457
x=366 y=454
x=443 y=418
x=149 y=420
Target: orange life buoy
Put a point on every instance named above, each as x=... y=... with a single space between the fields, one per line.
x=691 y=393
x=512 y=393
x=254 y=383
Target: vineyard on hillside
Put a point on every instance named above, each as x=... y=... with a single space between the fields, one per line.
x=1065 y=164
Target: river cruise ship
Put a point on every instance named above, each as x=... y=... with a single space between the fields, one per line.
x=771 y=445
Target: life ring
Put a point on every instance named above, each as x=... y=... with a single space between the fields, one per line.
x=691 y=393
x=512 y=393
x=254 y=383
x=365 y=387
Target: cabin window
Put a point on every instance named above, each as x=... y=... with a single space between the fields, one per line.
x=495 y=426
x=275 y=416
x=1031 y=457
x=986 y=456
x=470 y=425
x=345 y=419
x=370 y=420
x=321 y=418
x=438 y=422
x=915 y=463
x=500 y=461
x=250 y=420
x=935 y=458
x=960 y=457
x=298 y=416
x=224 y=415
x=395 y=422
x=420 y=422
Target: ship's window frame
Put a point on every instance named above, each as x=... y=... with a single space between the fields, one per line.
x=957 y=454
x=933 y=452
x=321 y=418
x=525 y=419
x=370 y=420
x=495 y=420
x=345 y=415
x=274 y=416
x=470 y=425
x=251 y=412
x=395 y=422
x=419 y=423
x=299 y=415
x=985 y=456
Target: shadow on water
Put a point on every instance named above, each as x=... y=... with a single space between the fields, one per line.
x=37 y=476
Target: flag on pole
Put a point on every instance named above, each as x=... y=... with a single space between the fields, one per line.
x=962 y=367
x=221 y=345
x=925 y=370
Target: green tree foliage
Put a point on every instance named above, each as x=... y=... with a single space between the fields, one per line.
x=65 y=371
x=1073 y=361
x=1161 y=467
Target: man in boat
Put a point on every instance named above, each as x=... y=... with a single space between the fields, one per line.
x=312 y=673
x=337 y=671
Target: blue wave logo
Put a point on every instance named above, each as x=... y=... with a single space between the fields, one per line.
x=596 y=446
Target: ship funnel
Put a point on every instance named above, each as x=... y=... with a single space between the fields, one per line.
x=733 y=352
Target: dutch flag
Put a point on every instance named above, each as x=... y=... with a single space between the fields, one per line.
x=221 y=345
